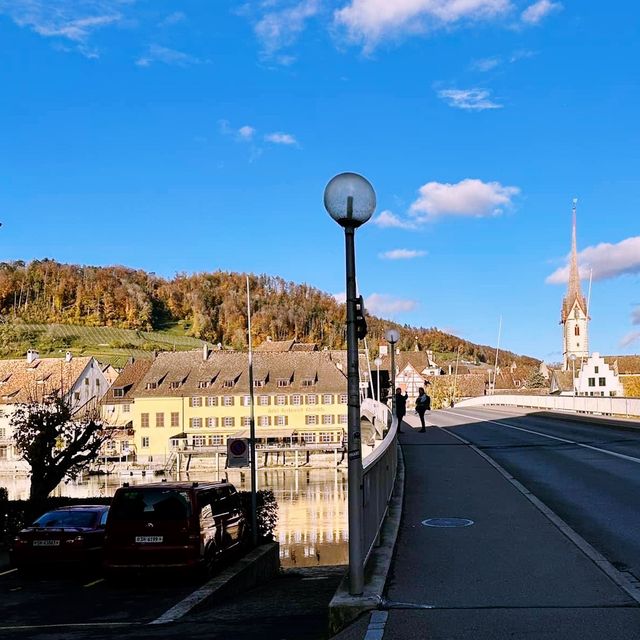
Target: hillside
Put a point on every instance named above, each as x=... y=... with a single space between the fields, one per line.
x=39 y=299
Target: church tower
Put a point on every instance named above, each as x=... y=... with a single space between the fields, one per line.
x=574 y=315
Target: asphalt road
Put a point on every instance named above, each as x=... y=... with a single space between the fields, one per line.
x=587 y=473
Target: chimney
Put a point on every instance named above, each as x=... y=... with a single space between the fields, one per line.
x=32 y=356
x=68 y=356
x=383 y=350
x=417 y=346
x=205 y=351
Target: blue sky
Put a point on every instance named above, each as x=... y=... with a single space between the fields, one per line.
x=198 y=135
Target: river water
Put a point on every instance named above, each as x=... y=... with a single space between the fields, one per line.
x=312 y=506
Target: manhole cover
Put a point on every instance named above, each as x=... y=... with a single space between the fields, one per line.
x=447 y=522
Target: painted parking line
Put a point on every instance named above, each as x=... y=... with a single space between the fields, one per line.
x=92 y=584
x=72 y=625
x=550 y=437
x=4 y=573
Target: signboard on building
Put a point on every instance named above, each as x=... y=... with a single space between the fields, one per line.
x=237 y=452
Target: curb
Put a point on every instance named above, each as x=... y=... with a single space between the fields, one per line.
x=345 y=608
x=258 y=566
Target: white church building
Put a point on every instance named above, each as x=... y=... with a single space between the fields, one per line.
x=592 y=376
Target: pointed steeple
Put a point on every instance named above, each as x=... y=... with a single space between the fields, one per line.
x=574 y=274
x=574 y=292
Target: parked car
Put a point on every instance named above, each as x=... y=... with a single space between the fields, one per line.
x=174 y=525
x=67 y=535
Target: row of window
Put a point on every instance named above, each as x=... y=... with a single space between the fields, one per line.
x=212 y=422
x=602 y=382
x=266 y=400
x=218 y=440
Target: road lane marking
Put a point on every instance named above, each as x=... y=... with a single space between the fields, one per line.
x=4 y=573
x=91 y=584
x=546 y=435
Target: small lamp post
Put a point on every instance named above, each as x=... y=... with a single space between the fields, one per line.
x=350 y=200
x=378 y=362
x=392 y=336
x=572 y=357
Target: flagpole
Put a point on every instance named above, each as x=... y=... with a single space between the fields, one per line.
x=252 y=431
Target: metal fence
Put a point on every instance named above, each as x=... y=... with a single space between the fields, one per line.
x=615 y=406
x=379 y=473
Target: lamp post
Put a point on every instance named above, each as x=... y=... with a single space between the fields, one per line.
x=392 y=336
x=350 y=200
x=572 y=357
x=378 y=362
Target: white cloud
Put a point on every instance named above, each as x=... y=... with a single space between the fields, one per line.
x=383 y=304
x=164 y=55
x=73 y=20
x=536 y=12
x=246 y=132
x=607 y=261
x=340 y=297
x=635 y=316
x=630 y=338
x=469 y=99
x=469 y=197
x=370 y=21
x=402 y=254
x=242 y=134
x=173 y=18
x=279 y=29
x=281 y=138
x=387 y=219
x=486 y=64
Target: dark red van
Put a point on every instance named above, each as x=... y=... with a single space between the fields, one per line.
x=182 y=525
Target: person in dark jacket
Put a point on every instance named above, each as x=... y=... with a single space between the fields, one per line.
x=401 y=407
x=423 y=404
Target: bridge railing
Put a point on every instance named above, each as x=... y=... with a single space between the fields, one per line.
x=611 y=406
x=379 y=473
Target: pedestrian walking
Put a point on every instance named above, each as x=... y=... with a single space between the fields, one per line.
x=423 y=404
x=401 y=407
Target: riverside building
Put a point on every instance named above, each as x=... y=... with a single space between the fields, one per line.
x=193 y=400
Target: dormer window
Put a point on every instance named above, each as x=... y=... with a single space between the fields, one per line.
x=229 y=384
x=203 y=384
x=308 y=382
x=283 y=382
x=258 y=383
x=176 y=384
x=152 y=385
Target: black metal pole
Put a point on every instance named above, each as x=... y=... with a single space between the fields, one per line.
x=356 y=556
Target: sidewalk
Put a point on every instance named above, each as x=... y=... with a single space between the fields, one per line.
x=510 y=574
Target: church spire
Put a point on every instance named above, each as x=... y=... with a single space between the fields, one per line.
x=574 y=274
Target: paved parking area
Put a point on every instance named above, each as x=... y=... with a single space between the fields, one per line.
x=293 y=606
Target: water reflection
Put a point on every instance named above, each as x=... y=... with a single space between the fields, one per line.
x=312 y=523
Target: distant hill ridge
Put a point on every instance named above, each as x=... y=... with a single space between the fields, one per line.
x=179 y=312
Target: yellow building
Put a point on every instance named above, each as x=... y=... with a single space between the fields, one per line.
x=195 y=399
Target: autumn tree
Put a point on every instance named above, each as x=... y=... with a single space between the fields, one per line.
x=55 y=442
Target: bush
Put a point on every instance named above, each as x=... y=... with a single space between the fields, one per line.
x=267 y=513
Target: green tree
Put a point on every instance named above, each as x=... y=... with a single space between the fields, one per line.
x=537 y=381
x=55 y=443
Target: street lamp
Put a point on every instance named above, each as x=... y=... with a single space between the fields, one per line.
x=350 y=200
x=572 y=357
x=378 y=362
x=392 y=336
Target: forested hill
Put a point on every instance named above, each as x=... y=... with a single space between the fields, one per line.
x=212 y=306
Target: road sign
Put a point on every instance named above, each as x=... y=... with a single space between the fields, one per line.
x=237 y=452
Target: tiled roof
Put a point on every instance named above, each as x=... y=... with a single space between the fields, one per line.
x=626 y=365
x=227 y=373
x=128 y=380
x=22 y=382
x=419 y=360
x=277 y=345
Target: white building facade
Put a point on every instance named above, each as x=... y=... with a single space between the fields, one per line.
x=596 y=378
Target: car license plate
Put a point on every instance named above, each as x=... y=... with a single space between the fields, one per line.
x=46 y=543
x=148 y=539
